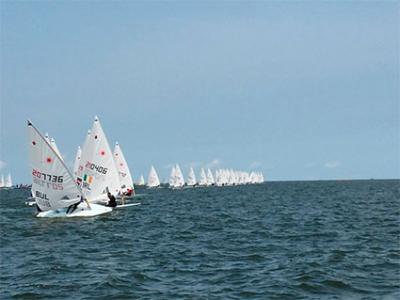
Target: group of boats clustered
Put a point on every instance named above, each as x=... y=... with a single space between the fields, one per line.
x=99 y=174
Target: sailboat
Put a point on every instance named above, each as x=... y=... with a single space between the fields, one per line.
x=8 y=182
x=203 y=178
x=210 y=178
x=176 y=179
x=153 y=180
x=53 y=186
x=191 y=178
x=172 y=177
x=2 y=181
x=124 y=173
x=97 y=173
x=78 y=155
x=141 y=180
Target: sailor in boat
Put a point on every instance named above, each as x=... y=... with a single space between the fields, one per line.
x=111 y=202
x=130 y=192
x=72 y=207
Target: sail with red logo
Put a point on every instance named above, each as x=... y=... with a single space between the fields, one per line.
x=53 y=186
x=97 y=173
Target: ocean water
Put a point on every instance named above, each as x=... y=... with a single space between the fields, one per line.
x=278 y=240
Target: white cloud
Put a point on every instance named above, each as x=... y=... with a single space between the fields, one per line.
x=332 y=164
x=2 y=164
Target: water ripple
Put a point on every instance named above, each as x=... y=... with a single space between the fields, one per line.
x=297 y=240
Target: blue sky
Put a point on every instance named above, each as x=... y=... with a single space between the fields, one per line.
x=298 y=90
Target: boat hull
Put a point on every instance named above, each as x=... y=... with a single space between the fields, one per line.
x=81 y=211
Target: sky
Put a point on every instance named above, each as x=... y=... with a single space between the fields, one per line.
x=298 y=90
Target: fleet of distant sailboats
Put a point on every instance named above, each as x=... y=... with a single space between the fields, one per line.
x=223 y=177
x=99 y=173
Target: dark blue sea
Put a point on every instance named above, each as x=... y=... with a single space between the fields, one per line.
x=278 y=240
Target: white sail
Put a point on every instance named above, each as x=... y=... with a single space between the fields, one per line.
x=97 y=173
x=210 y=178
x=203 y=177
x=54 y=145
x=253 y=177
x=53 y=185
x=191 y=178
x=47 y=138
x=78 y=167
x=2 y=181
x=172 y=177
x=124 y=173
x=141 y=180
x=77 y=161
x=87 y=139
x=153 y=180
x=180 y=181
x=8 y=182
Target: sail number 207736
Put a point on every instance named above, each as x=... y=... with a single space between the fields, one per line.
x=47 y=177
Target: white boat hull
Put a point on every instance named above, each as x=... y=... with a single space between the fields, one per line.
x=81 y=211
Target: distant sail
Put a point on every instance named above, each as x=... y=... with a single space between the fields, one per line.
x=53 y=185
x=2 y=181
x=8 y=182
x=210 y=178
x=172 y=177
x=203 y=177
x=176 y=177
x=153 y=180
x=191 y=178
x=180 y=181
x=141 y=180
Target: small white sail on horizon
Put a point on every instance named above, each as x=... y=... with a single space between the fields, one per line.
x=203 y=177
x=180 y=181
x=153 y=180
x=8 y=182
x=2 y=181
x=210 y=177
x=176 y=178
x=191 y=178
x=172 y=177
x=141 y=180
